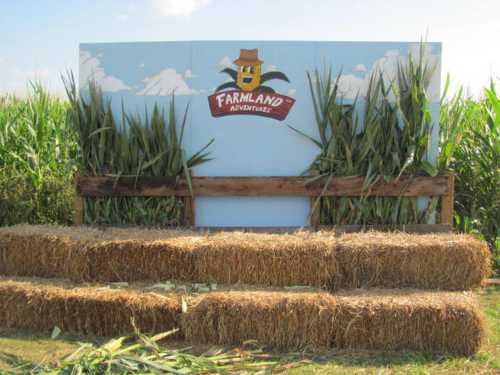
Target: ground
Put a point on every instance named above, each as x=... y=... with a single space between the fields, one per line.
x=18 y=348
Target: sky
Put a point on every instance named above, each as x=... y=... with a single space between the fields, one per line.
x=39 y=39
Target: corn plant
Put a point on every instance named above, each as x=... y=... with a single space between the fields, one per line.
x=134 y=146
x=470 y=132
x=454 y=116
x=37 y=150
x=392 y=139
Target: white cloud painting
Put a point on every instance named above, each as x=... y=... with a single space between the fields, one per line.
x=360 y=68
x=351 y=85
x=91 y=70
x=166 y=83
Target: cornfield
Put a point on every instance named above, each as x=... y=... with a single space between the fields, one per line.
x=37 y=153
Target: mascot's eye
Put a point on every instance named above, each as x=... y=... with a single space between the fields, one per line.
x=252 y=70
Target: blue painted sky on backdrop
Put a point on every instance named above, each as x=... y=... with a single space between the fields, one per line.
x=39 y=38
x=136 y=75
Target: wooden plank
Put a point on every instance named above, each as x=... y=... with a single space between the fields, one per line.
x=79 y=210
x=315 y=215
x=404 y=186
x=296 y=186
x=101 y=186
x=447 y=201
x=258 y=186
x=189 y=218
x=251 y=186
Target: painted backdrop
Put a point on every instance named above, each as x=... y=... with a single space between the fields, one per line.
x=242 y=93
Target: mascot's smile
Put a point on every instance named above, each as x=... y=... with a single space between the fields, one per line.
x=248 y=76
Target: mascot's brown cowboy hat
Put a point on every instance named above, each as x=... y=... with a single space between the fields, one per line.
x=248 y=57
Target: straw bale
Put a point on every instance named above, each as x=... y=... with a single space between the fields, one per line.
x=375 y=319
x=395 y=260
x=281 y=320
x=373 y=259
x=267 y=259
x=40 y=306
x=89 y=254
x=27 y=254
x=384 y=320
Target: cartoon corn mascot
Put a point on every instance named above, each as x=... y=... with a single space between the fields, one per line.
x=246 y=94
x=248 y=77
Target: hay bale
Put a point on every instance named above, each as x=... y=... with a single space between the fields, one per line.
x=380 y=320
x=89 y=254
x=38 y=306
x=266 y=259
x=362 y=319
x=35 y=255
x=444 y=261
x=373 y=259
x=140 y=254
x=281 y=320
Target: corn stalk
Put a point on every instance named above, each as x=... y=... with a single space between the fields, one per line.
x=390 y=139
x=149 y=145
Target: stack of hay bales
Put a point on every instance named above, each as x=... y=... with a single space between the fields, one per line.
x=387 y=291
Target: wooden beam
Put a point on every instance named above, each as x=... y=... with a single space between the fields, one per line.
x=257 y=186
x=315 y=212
x=101 y=186
x=447 y=201
x=78 y=209
x=189 y=218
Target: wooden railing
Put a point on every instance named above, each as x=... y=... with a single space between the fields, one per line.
x=439 y=186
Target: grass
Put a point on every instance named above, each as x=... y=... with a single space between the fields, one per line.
x=17 y=348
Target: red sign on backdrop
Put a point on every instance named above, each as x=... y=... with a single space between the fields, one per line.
x=261 y=103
